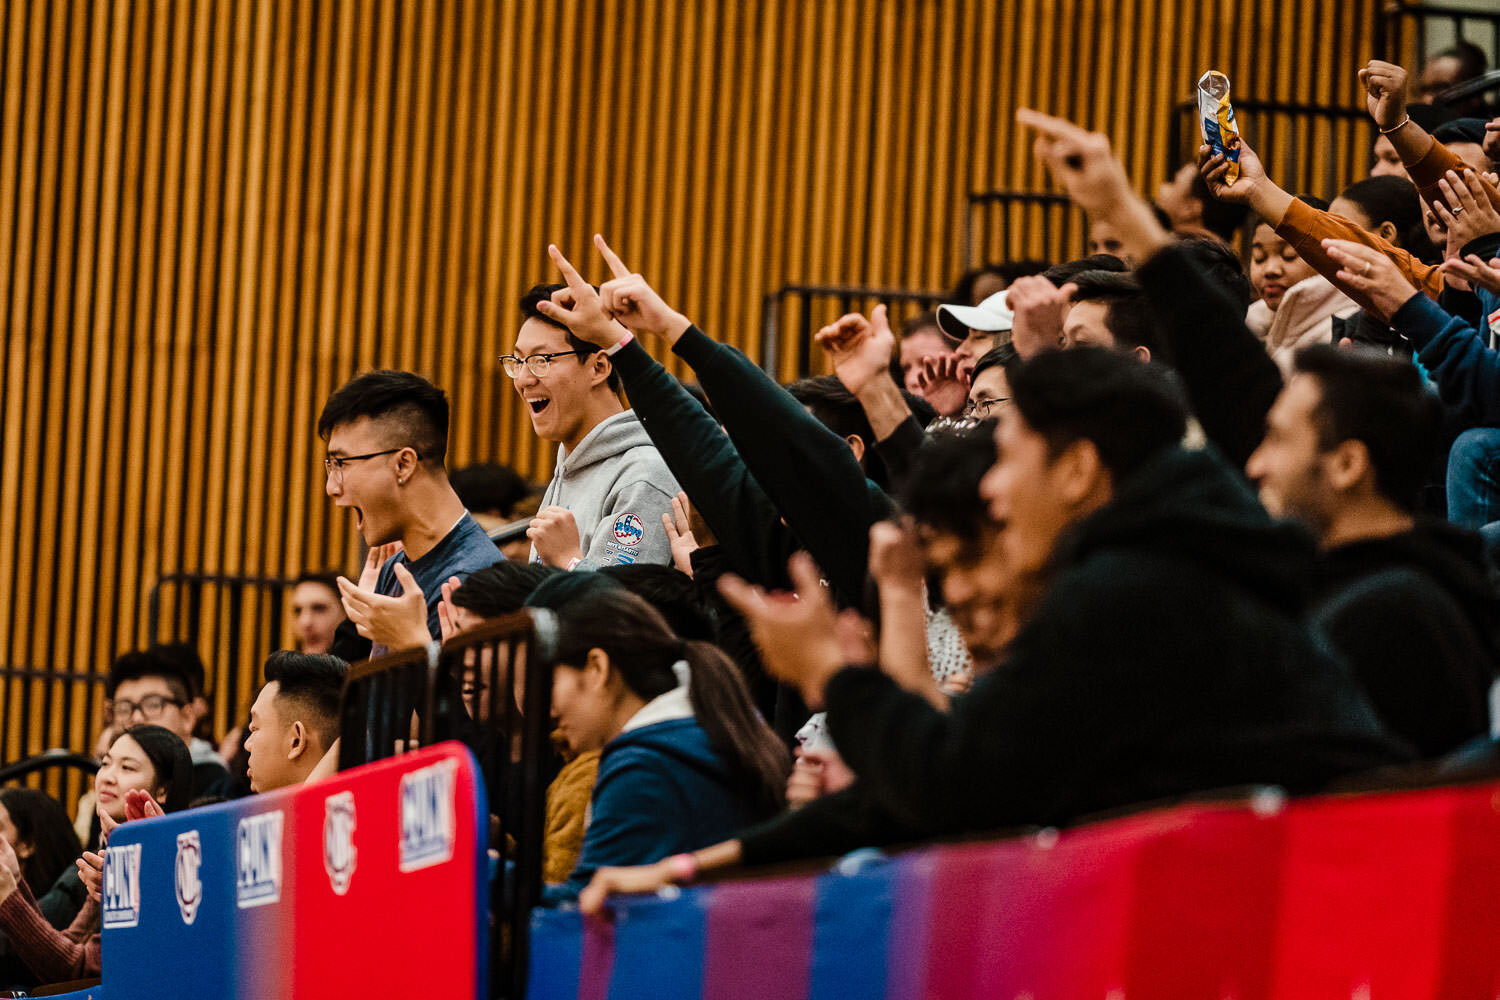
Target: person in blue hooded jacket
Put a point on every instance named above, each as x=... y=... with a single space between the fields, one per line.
x=686 y=761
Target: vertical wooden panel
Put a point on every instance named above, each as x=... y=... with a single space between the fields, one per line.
x=212 y=213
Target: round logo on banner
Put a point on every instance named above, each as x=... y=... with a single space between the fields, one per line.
x=629 y=529
x=338 y=840
x=189 y=874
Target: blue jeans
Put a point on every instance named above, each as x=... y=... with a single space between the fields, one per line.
x=1474 y=483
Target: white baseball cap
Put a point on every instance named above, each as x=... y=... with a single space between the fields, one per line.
x=992 y=315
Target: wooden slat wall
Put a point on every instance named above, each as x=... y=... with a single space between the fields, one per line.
x=213 y=213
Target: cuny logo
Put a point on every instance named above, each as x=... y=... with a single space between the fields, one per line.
x=629 y=529
x=338 y=840
x=427 y=806
x=121 y=895
x=189 y=882
x=258 y=860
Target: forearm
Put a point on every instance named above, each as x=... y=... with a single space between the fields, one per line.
x=884 y=406
x=1305 y=228
x=1139 y=232
x=903 y=643
x=50 y=953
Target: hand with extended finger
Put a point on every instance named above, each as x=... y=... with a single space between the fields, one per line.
x=680 y=535
x=393 y=622
x=1385 y=92
x=795 y=633
x=579 y=307
x=1081 y=161
x=944 y=382
x=1475 y=272
x=140 y=805
x=1039 y=307
x=369 y=575
x=860 y=349
x=1470 y=211
x=554 y=533
x=447 y=612
x=1372 y=274
x=634 y=303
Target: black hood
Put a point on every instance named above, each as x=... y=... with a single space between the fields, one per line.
x=1191 y=505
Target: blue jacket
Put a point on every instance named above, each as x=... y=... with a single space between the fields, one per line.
x=1457 y=356
x=661 y=790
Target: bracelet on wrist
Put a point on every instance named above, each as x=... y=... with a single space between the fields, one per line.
x=1396 y=127
x=614 y=348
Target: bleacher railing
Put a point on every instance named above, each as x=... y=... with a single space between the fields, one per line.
x=793 y=313
x=1409 y=32
x=491 y=689
x=1018 y=225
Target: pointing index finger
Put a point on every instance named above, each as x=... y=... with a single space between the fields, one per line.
x=616 y=265
x=575 y=282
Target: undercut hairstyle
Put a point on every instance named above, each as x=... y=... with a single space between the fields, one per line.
x=42 y=822
x=1003 y=356
x=1127 y=312
x=942 y=491
x=487 y=486
x=1383 y=403
x=539 y=293
x=1061 y=274
x=311 y=684
x=151 y=663
x=1224 y=266
x=1394 y=200
x=170 y=760
x=1130 y=412
x=415 y=410
x=502 y=588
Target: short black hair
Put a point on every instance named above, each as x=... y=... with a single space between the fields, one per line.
x=672 y=593
x=501 y=588
x=836 y=408
x=1061 y=274
x=323 y=577
x=529 y=310
x=1127 y=312
x=925 y=320
x=1383 y=403
x=942 y=491
x=1003 y=356
x=1310 y=200
x=151 y=662
x=1223 y=219
x=1469 y=130
x=313 y=683
x=417 y=409
x=486 y=486
x=1130 y=412
x=1394 y=200
x=1223 y=265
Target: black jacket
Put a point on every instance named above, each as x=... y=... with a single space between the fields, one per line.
x=1416 y=619
x=1170 y=655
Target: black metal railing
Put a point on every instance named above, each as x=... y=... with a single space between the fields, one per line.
x=793 y=313
x=1013 y=225
x=63 y=702
x=48 y=760
x=1405 y=31
x=490 y=688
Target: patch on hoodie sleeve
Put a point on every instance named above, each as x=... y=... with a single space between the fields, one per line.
x=629 y=531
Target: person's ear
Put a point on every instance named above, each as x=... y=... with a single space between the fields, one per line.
x=298 y=745
x=1387 y=231
x=856 y=445
x=1348 y=464
x=597 y=670
x=406 y=465
x=602 y=368
x=1079 y=473
x=1142 y=353
x=24 y=849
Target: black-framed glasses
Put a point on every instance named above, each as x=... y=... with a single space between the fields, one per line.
x=152 y=706
x=334 y=464
x=538 y=364
x=983 y=409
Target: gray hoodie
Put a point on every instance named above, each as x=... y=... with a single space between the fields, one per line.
x=617 y=487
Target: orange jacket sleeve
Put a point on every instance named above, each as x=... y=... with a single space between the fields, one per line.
x=1305 y=228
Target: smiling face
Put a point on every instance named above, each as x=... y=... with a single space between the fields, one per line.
x=1275 y=266
x=123 y=768
x=368 y=486
x=1031 y=494
x=560 y=402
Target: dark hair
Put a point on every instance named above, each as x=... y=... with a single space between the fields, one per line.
x=1061 y=274
x=151 y=662
x=1127 y=312
x=1470 y=130
x=1471 y=58
x=1382 y=403
x=1003 y=356
x=671 y=592
x=1006 y=271
x=642 y=649
x=417 y=409
x=925 y=320
x=1223 y=265
x=1394 y=200
x=501 y=588
x=539 y=293
x=1130 y=412
x=41 y=821
x=836 y=408
x=486 y=486
x=1221 y=218
x=1311 y=200
x=170 y=761
x=313 y=683
x=324 y=577
x=942 y=491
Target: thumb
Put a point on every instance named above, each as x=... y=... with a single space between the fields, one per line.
x=804 y=574
x=879 y=320
x=408 y=582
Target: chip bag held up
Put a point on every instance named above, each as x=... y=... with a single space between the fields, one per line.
x=1216 y=118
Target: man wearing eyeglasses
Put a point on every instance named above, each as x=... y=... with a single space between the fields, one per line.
x=150 y=687
x=605 y=502
x=387 y=434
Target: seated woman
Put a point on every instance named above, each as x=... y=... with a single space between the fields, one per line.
x=143 y=761
x=37 y=828
x=685 y=759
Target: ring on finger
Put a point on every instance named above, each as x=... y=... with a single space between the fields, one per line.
x=1455 y=211
x=1366 y=271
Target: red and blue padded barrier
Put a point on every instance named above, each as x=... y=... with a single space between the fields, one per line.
x=370 y=884
x=1375 y=895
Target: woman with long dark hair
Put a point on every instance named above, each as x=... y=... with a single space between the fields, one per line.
x=686 y=760
x=147 y=770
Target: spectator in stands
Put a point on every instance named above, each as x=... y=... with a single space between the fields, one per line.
x=1109 y=310
x=37 y=828
x=316 y=611
x=294 y=722
x=146 y=772
x=387 y=435
x=1281 y=277
x=921 y=338
x=990 y=389
x=154 y=686
x=1448 y=68
x=685 y=759
x=610 y=489
x=977 y=329
x=978 y=284
x=493 y=493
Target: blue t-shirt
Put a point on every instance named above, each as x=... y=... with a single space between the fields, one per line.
x=462 y=551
